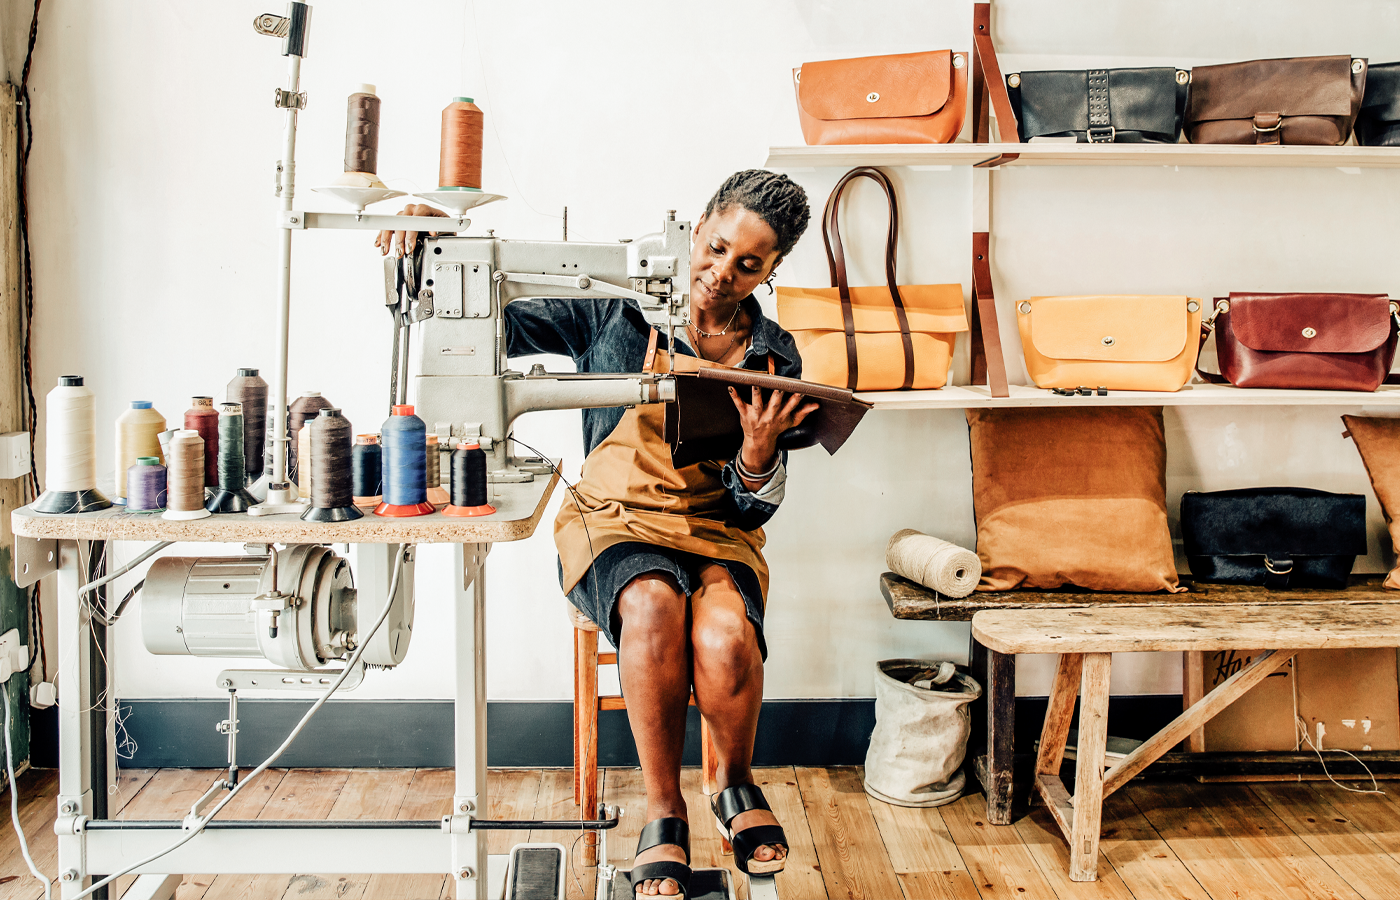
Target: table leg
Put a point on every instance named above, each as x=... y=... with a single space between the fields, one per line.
x=75 y=737
x=1001 y=731
x=469 y=861
x=1089 y=762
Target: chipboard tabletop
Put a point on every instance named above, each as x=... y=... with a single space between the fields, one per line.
x=518 y=511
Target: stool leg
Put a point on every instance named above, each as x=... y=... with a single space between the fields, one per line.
x=1055 y=732
x=1089 y=759
x=1001 y=731
x=709 y=765
x=586 y=735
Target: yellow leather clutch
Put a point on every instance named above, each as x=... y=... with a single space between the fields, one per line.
x=1121 y=342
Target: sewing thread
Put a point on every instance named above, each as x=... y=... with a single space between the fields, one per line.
x=437 y=494
x=231 y=495
x=302 y=409
x=329 y=456
x=71 y=437
x=249 y=391
x=145 y=485
x=184 y=497
x=460 y=161
x=138 y=431
x=204 y=418
x=362 y=131
x=303 y=443
x=403 y=447
x=469 y=482
x=366 y=470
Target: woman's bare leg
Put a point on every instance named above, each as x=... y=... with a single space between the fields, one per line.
x=655 y=674
x=728 y=673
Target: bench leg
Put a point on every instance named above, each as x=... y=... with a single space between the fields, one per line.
x=1055 y=732
x=1089 y=756
x=1001 y=731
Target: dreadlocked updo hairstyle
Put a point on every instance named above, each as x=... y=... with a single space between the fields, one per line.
x=776 y=199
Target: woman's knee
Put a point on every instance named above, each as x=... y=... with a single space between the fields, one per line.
x=652 y=604
x=723 y=636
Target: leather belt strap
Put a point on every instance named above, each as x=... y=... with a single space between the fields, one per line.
x=987 y=80
x=1100 y=119
x=988 y=363
x=1268 y=128
x=836 y=261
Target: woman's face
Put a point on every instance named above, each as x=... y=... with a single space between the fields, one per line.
x=733 y=252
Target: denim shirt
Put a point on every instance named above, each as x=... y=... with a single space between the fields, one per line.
x=611 y=336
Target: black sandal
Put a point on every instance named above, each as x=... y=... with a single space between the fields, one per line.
x=739 y=799
x=656 y=833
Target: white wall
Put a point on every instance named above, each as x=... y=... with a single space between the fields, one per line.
x=155 y=250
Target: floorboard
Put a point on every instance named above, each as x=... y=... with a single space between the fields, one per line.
x=1148 y=866
x=997 y=859
x=852 y=855
x=1308 y=811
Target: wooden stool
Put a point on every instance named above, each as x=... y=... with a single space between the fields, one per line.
x=587 y=704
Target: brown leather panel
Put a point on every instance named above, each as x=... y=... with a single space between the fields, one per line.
x=987 y=65
x=1307 y=86
x=906 y=84
x=987 y=359
x=941 y=124
x=1378 y=442
x=1339 y=323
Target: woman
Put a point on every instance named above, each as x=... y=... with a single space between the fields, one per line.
x=668 y=561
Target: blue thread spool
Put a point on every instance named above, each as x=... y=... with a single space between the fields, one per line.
x=404 y=450
x=145 y=485
x=367 y=470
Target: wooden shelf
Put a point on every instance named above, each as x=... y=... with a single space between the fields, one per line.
x=1056 y=154
x=978 y=396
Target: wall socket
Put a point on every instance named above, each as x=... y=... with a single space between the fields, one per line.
x=14 y=656
x=14 y=454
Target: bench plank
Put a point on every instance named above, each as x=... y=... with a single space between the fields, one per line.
x=1295 y=626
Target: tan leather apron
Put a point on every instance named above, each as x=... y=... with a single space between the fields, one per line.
x=630 y=492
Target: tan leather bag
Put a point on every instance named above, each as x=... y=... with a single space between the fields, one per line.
x=872 y=338
x=1123 y=343
x=1308 y=100
x=907 y=98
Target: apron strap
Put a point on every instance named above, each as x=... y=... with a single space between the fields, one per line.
x=772 y=369
x=650 y=358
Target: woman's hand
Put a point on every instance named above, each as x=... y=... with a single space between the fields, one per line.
x=763 y=421
x=407 y=240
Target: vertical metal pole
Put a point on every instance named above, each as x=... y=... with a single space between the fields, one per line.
x=101 y=759
x=469 y=862
x=75 y=738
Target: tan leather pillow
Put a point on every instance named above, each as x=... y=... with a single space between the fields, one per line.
x=1378 y=441
x=1071 y=496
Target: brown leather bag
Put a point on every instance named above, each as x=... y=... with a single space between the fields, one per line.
x=1332 y=342
x=1306 y=100
x=880 y=338
x=907 y=98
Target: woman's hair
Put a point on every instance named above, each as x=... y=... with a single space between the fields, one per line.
x=776 y=199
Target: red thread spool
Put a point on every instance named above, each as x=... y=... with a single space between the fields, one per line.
x=460 y=162
x=204 y=418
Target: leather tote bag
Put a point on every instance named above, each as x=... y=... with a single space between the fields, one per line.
x=1378 y=123
x=881 y=338
x=1127 y=106
x=1278 y=538
x=1124 y=343
x=1336 y=342
x=907 y=98
x=1308 y=100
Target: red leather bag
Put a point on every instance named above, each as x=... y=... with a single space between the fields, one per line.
x=1333 y=342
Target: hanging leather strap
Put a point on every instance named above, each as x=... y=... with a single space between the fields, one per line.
x=650 y=358
x=988 y=83
x=988 y=363
x=836 y=260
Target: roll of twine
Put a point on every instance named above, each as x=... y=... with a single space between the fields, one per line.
x=460 y=161
x=71 y=436
x=233 y=467
x=468 y=475
x=303 y=409
x=330 y=460
x=204 y=418
x=145 y=484
x=366 y=468
x=362 y=131
x=185 y=474
x=249 y=390
x=403 y=442
x=138 y=435
x=304 y=479
x=936 y=564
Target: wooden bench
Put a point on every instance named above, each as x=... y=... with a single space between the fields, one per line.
x=1085 y=640
x=992 y=749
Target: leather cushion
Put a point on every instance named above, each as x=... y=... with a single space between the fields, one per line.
x=1378 y=441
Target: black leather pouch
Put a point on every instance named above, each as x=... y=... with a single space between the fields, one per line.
x=1273 y=537
x=1132 y=106
x=1378 y=123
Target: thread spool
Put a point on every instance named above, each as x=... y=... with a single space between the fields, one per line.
x=138 y=434
x=71 y=436
x=249 y=390
x=366 y=471
x=302 y=410
x=145 y=485
x=936 y=564
x=403 y=446
x=204 y=418
x=329 y=462
x=437 y=494
x=184 y=497
x=362 y=131
x=304 y=479
x=232 y=464
x=459 y=165
x=469 y=482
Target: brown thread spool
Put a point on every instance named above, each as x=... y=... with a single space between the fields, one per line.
x=459 y=165
x=248 y=390
x=329 y=454
x=302 y=409
x=304 y=479
x=185 y=476
x=204 y=418
x=437 y=494
x=362 y=131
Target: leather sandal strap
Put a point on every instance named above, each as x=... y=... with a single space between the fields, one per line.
x=740 y=798
x=747 y=842
x=670 y=830
x=665 y=869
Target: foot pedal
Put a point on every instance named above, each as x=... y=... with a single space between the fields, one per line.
x=536 y=872
x=705 y=884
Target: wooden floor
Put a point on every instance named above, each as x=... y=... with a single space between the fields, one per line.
x=1160 y=840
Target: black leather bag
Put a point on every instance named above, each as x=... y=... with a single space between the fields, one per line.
x=1273 y=537
x=1378 y=123
x=1131 y=106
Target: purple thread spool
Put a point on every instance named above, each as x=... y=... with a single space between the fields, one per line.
x=145 y=485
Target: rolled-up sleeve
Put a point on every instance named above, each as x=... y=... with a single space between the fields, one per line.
x=748 y=509
x=559 y=327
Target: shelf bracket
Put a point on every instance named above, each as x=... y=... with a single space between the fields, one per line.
x=988 y=83
x=988 y=362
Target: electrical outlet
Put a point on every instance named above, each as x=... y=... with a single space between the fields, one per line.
x=14 y=454
x=43 y=695
x=14 y=656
